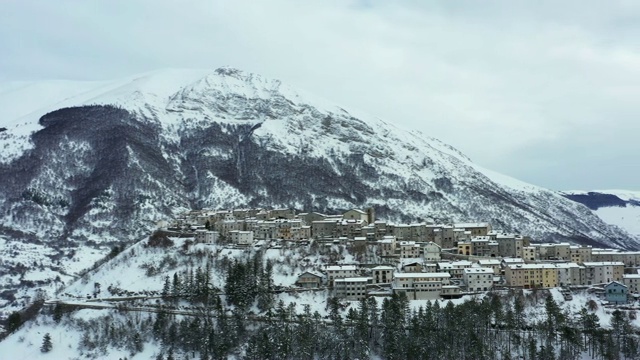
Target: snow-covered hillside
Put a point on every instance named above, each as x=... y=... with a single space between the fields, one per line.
x=616 y=207
x=86 y=166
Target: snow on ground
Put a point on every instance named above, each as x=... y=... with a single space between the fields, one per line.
x=625 y=195
x=627 y=218
x=508 y=181
x=25 y=343
x=317 y=301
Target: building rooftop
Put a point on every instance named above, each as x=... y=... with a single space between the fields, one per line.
x=479 y=270
x=421 y=275
x=341 y=267
x=604 y=263
x=352 y=279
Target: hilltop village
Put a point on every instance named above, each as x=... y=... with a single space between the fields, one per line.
x=423 y=261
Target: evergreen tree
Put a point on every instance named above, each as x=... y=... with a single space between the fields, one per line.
x=176 y=289
x=14 y=321
x=265 y=287
x=46 y=343
x=166 y=289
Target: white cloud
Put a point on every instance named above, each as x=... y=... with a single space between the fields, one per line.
x=528 y=89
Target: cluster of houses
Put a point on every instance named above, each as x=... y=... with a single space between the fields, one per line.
x=423 y=261
x=246 y=226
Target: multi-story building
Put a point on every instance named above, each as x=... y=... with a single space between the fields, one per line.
x=356 y=214
x=532 y=275
x=480 y=246
x=478 y=279
x=570 y=274
x=510 y=245
x=632 y=281
x=493 y=264
x=340 y=271
x=309 y=280
x=603 y=272
x=206 y=237
x=528 y=253
x=324 y=229
x=580 y=254
x=476 y=229
x=420 y=286
x=454 y=268
x=350 y=228
x=382 y=274
x=629 y=258
x=387 y=246
x=465 y=248
x=244 y=238
x=351 y=288
x=409 y=249
x=402 y=232
x=224 y=227
x=431 y=251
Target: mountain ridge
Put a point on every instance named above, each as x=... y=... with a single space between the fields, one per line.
x=98 y=169
x=248 y=120
x=620 y=208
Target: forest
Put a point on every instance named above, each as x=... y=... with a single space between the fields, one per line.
x=247 y=323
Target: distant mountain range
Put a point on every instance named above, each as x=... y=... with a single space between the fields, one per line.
x=616 y=207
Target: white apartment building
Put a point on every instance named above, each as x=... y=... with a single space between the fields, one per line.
x=340 y=271
x=603 y=272
x=382 y=274
x=241 y=237
x=632 y=281
x=420 y=286
x=351 y=288
x=206 y=237
x=478 y=279
x=431 y=251
x=409 y=249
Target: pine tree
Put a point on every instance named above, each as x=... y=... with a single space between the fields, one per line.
x=166 y=289
x=57 y=313
x=265 y=287
x=46 y=343
x=14 y=321
x=176 y=289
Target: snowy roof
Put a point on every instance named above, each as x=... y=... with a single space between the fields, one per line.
x=341 y=267
x=568 y=265
x=383 y=267
x=352 y=221
x=352 y=279
x=408 y=243
x=431 y=243
x=311 y=273
x=604 y=263
x=532 y=266
x=613 y=283
x=479 y=270
x=462 y=263
x=513 y=260
x=489 y=262
x=422 y=275
x=631 y=276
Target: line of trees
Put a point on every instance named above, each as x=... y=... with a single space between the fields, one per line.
x=491 y=328
x=193 y=285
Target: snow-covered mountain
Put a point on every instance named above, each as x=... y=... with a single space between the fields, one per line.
x=616 y=207
x=97 y=163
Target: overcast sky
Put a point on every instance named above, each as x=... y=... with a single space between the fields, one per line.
x=545 y=91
